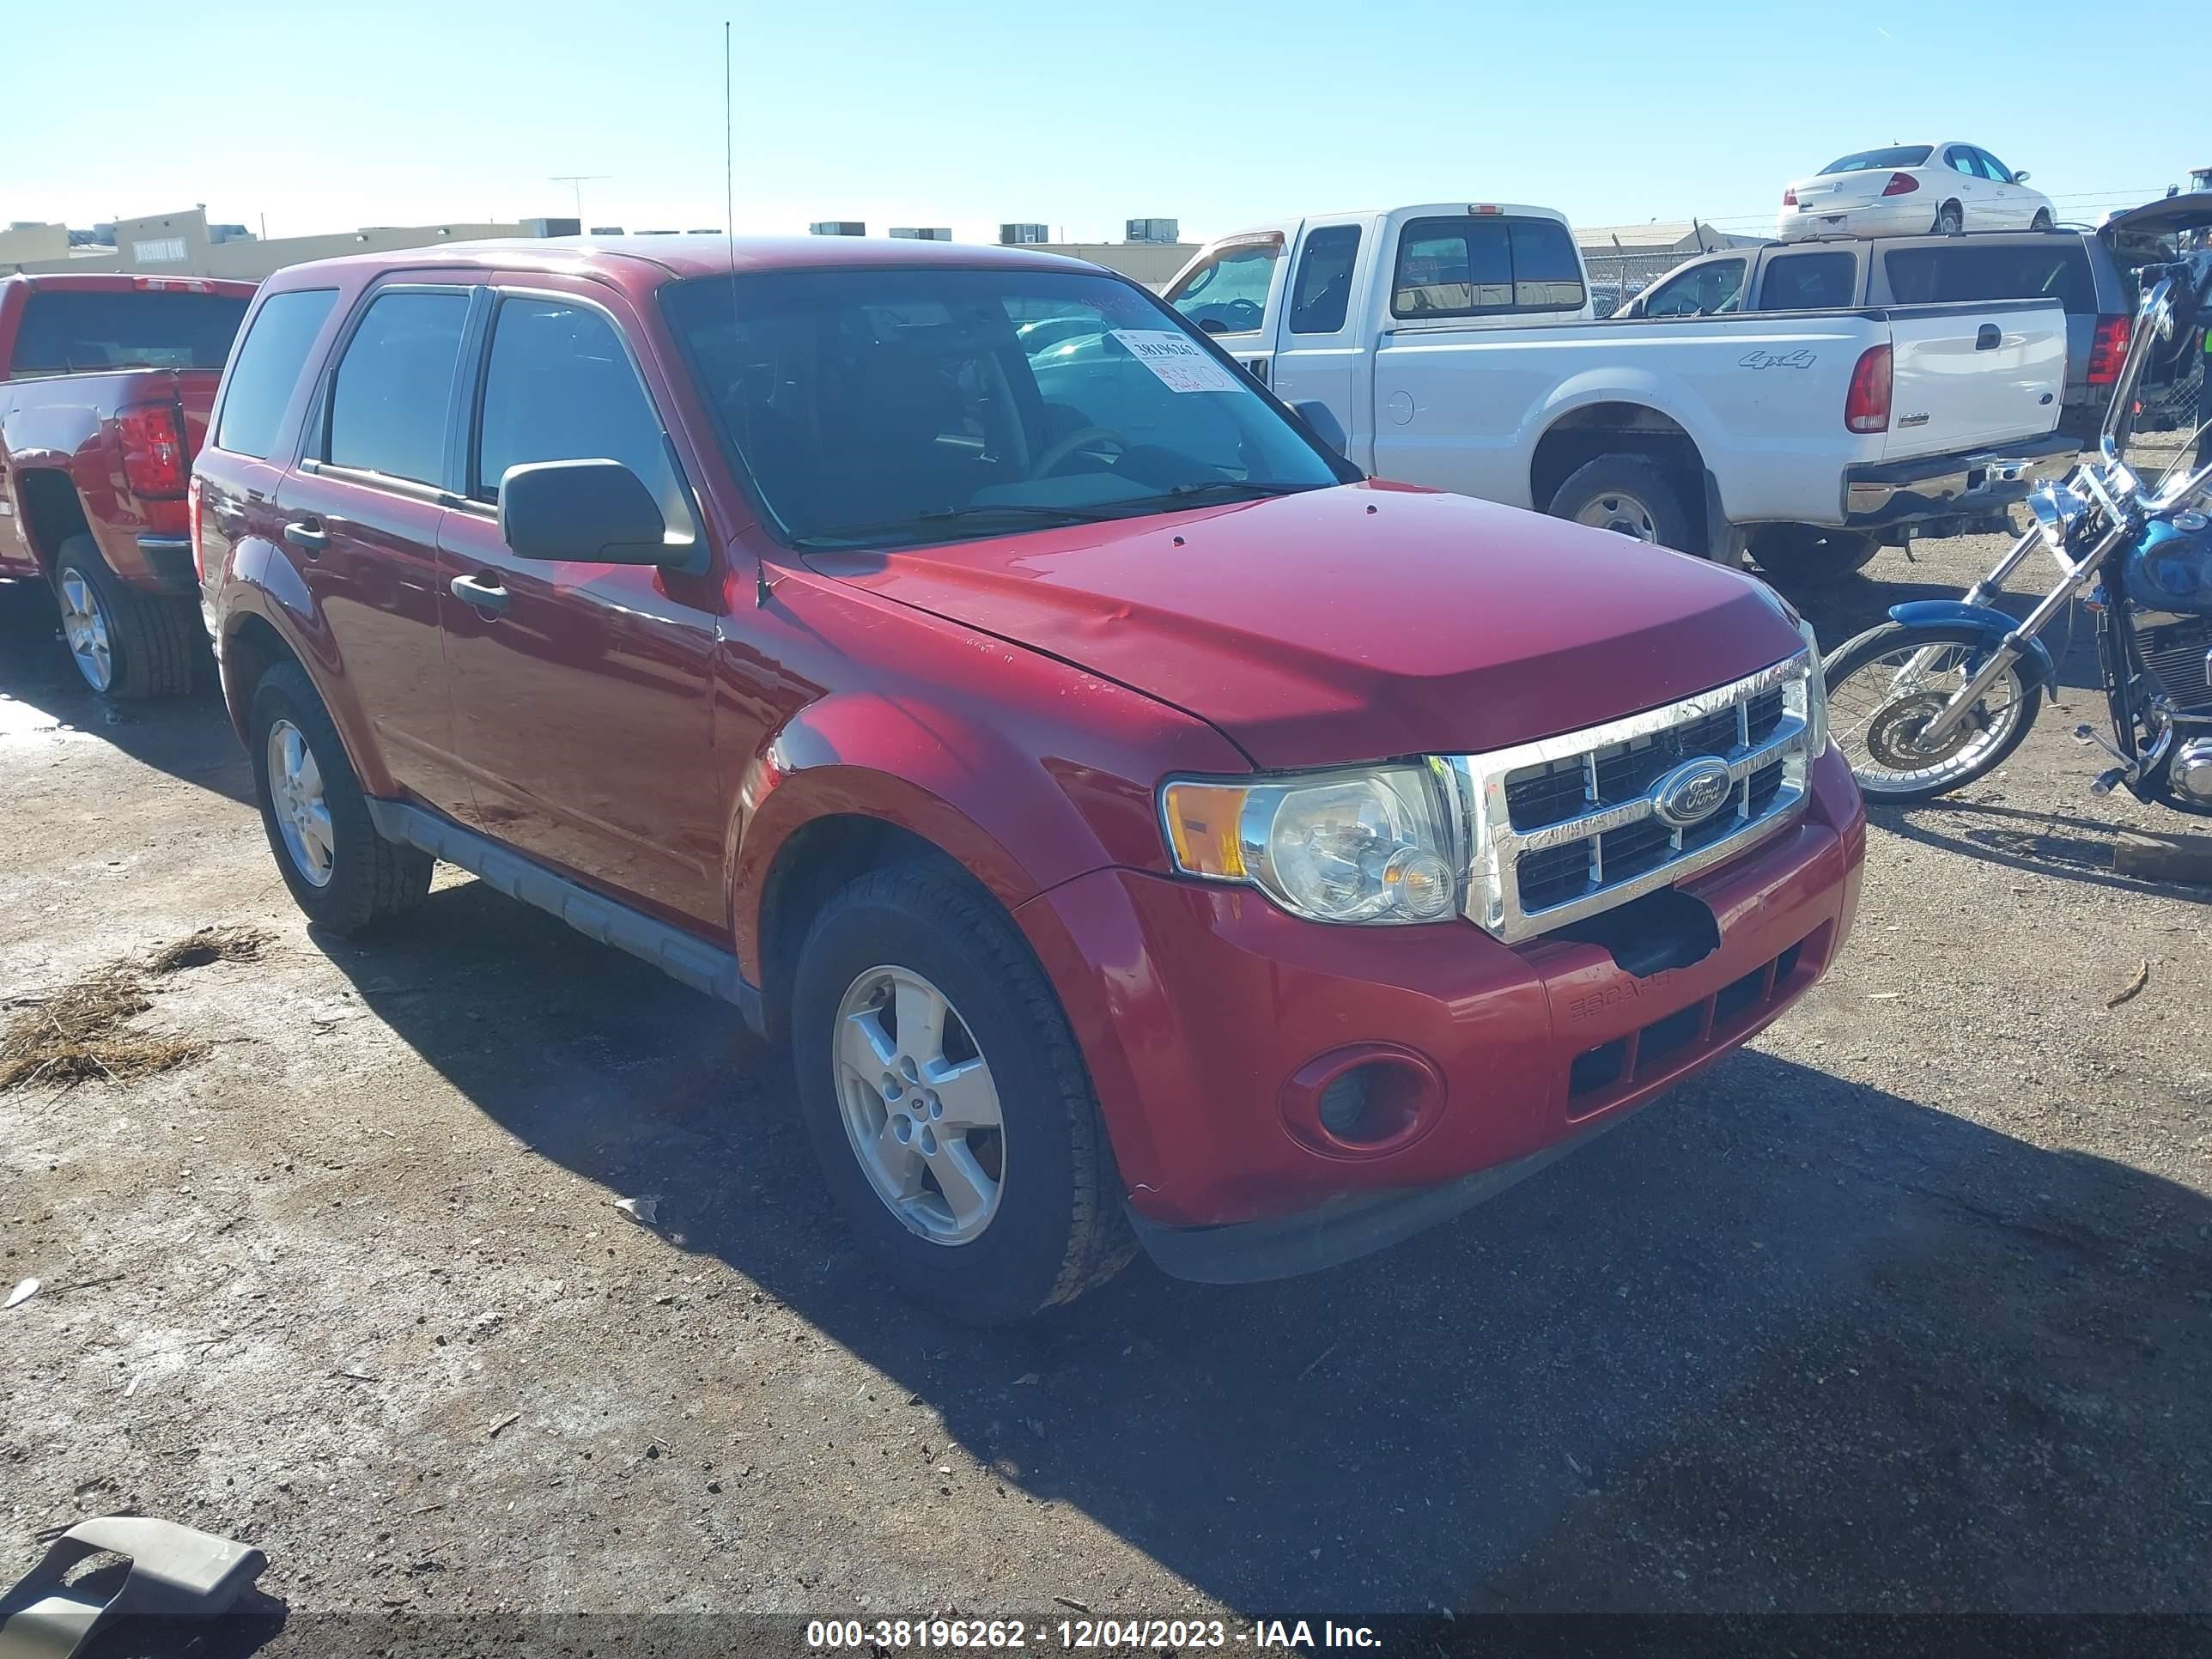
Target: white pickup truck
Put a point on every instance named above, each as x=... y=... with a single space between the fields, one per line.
x=1455 y=345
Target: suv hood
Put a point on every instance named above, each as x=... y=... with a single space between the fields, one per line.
x=1354 y=623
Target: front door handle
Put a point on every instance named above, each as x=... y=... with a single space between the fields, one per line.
x=487 y=597
x=307 y=535
x=1987 y=337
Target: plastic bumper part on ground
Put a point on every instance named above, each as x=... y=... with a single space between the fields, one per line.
x=1284 y=1095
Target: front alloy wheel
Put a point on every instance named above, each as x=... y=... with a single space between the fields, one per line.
x=920 y=1105
x=303 y=817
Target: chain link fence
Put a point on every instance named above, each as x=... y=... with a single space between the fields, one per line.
x=1615 y=278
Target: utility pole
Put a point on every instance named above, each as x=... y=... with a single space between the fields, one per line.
x=576 y=181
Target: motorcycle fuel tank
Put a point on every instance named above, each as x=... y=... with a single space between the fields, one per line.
x=2171 y=568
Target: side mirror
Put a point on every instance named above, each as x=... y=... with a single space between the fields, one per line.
x=2021 y=177
x=1321 y=421
x=596 y=510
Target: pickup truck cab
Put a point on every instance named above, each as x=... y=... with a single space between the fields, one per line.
x=1140 y=826
x=105 y=385
x=2073 y=267
x=1454 y=344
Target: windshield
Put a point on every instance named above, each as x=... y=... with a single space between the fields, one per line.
x=125 y=328
x=908 y=406
x=1899 y=155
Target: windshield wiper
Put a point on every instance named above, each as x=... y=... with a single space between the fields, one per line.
x=1229 y=490
x=848 y=535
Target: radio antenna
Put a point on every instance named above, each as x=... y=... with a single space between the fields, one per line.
x=762 y=586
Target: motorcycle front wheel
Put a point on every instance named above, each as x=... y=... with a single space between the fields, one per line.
x=1886 y=685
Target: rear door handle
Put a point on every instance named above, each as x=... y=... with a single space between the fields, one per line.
x=488 y=597
x=307 y=535
x=1987 y=337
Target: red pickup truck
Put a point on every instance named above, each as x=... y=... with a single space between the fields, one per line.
x=105 y=385
x=1142 y=826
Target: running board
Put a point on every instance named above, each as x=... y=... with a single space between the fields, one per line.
x=691 y=961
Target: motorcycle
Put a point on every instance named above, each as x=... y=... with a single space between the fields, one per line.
x=1942 y=693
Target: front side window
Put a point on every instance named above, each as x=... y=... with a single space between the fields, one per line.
x=1808 y=281
x=1226 y=293
x=261 y=381
x=1703 y=291
x=1322 y=289
x=65 y=332
x=394 y=387
x=1992 y=169
x=1484 y=265
x=902 y=405
x=559 y=386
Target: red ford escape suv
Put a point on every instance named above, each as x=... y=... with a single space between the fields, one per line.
x=1143 y=828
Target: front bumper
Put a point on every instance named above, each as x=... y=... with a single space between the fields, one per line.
x=1881 y=495
x=1206 y=1014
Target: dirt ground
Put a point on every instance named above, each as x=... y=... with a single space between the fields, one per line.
x=1907 y=1307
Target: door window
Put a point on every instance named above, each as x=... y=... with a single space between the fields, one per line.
x=1808 y=281
x=394 y=387
x=559 y=387
x=1992 y=169
x=1960 y=158
x=261 y=381
x=1323 y=290
x=1227 y=292
x=1484 y=265
x=1702 y=291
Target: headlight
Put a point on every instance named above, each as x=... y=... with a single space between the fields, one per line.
x=1814 y=712
x=1371 y=845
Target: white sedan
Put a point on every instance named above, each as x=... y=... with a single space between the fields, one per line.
x=1910 y=189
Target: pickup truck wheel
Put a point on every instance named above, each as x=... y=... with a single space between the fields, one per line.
x=1807 y=555
x=947 y=1101
x=344 y=874
x=125 y=643
x=1628 y=494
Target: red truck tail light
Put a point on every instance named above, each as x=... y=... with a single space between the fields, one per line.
x=1789 y=198
x=1901 y=184
x=154 y=458
x=2108 y=349
x=1866 y=405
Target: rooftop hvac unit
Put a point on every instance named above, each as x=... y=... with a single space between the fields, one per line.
x=1023 y=235
x=922 y=233
x=836 y=227
x=552 y=227
x=1153 y=230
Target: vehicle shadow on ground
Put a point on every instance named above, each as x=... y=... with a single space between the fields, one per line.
x=2042 y=843
x=188 y=738
x=1781 y=1342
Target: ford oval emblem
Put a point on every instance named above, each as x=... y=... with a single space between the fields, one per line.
x=1692 y=793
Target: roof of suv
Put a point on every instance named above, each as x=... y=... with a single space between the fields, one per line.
x=653 y=259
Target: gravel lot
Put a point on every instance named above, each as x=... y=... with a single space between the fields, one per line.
x=1905 y=1308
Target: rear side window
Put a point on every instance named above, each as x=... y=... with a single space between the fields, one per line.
x=559 y=387
x=1702 y=291
x=1808 y=281
x=394 y=387
x=267 y=368
x=64 y=331
x=1485 y=266
x=2048 y=268
x=1323 y=288
x=1228 y=293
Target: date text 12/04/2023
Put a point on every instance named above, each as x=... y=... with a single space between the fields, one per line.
x=1082 y=1635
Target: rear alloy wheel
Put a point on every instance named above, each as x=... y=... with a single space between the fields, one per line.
x=125 y=643
x=1808 y=555
x=1628 y=494
x=947 y=1101
x=1950 y=219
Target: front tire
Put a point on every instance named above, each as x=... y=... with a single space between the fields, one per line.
x=1808 y=555
x=1632 y=495
x=126 y=644
x=345 y=875
x=2042 y=220
x=947 y=1103
x=1884 y=687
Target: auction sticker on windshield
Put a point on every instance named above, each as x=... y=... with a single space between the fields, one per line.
x=1181 y=366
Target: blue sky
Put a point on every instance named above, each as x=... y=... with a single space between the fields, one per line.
x=1077 y=116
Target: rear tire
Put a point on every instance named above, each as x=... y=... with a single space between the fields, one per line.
x=1808 y=555
x=126 y=644
x=364 y=878
x=1629 y=494
x=1950 y=219
x=1052 y=1225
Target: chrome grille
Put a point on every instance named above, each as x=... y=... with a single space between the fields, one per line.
x=1565 y=827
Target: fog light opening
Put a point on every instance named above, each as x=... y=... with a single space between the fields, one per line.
x=1373 y=1103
